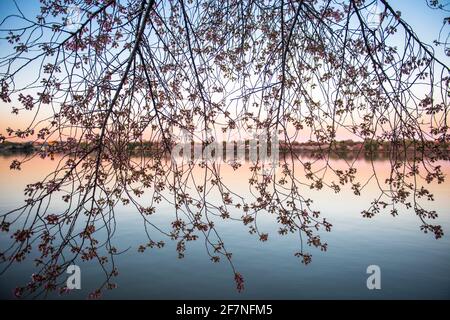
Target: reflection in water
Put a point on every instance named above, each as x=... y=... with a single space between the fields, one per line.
x=414 y=265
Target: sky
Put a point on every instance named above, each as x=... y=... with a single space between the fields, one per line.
x=424 y=21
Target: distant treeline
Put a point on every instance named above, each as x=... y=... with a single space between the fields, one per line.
x=343 y=148
x=11 y=147
x=367 y=145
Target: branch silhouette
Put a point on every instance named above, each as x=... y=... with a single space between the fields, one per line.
x=113 y=97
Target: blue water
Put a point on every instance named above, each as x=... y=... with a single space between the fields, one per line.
x=413 y=264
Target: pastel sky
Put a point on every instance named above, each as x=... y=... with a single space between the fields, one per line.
x=425 y=21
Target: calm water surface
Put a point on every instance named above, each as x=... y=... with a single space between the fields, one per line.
x=413 y=264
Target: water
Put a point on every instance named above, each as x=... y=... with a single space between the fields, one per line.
x=413 y=264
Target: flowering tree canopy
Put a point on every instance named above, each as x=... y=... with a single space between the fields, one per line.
x=113 y=84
